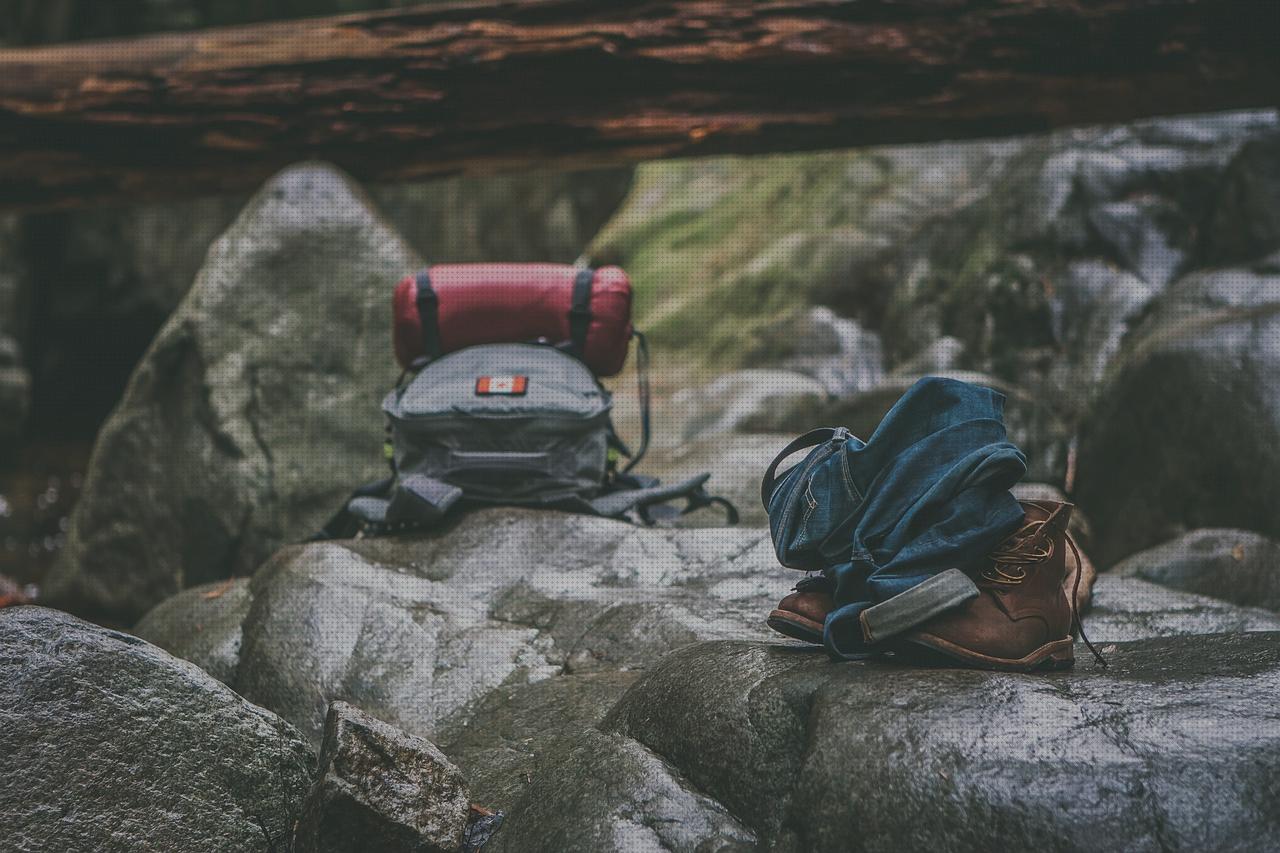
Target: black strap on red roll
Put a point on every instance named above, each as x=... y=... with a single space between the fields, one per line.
x=580 y=312
x=428 y=315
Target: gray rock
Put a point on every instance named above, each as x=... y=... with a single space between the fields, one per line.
x=811 y=754
x=1231 y=565
x=111 y=744
x=1027 y=491
x=1133 y=230
x=202 y=625
x=1094 y=306
x=500 y=742
x=746 y=400
x=844 y=357
x=1129 y=608
x=1184 y=432
x=380 y=789
x=253 y=412
x=535 y=751
x=1245 y=223
x=414 y=629
x=597 y=792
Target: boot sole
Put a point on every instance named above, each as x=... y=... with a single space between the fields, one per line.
x=1059 y=654
x=795 y=626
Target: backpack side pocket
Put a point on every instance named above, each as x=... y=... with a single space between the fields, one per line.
x=810 y=500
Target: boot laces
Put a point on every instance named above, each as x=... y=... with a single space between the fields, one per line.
x=1027 y=547
x=1009 y=562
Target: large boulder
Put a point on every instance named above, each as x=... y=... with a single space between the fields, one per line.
x=414 y=630
x=1186 y=431
x=1245 y=224
x=111 y=744
x=597 y=792
x=254 y=411
x=844 y=357
x=814 y=756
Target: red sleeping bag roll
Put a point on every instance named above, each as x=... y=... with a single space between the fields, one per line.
x=450 y=307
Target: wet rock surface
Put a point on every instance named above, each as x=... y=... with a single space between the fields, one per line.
x=1129 y=608
x=1135 y=757
x=109 y=743
x=614 y=688
x=743 y=400
x=838 y=352
x=380 y=789
x=412 y=630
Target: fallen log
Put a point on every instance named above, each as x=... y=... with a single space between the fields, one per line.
x=485 y=86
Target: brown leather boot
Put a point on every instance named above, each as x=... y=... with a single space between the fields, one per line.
x=803 y=613
x=1023 y=617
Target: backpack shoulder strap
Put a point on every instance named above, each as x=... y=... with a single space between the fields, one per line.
x=644 y=498
x=810 y=439
x=413 y=501
x=348 y=521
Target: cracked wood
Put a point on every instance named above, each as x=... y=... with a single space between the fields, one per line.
x=488 y=86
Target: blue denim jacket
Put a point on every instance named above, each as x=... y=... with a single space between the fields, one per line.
x=927 y=492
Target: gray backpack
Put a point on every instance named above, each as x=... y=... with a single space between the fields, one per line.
x=510 y=424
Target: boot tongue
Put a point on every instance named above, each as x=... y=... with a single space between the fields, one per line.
x=1055 y=514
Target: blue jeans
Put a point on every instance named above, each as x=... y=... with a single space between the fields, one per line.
x=930 y=492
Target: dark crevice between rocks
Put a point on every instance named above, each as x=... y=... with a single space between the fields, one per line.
x=266 y=835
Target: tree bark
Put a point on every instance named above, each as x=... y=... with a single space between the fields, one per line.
x=485 y=86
